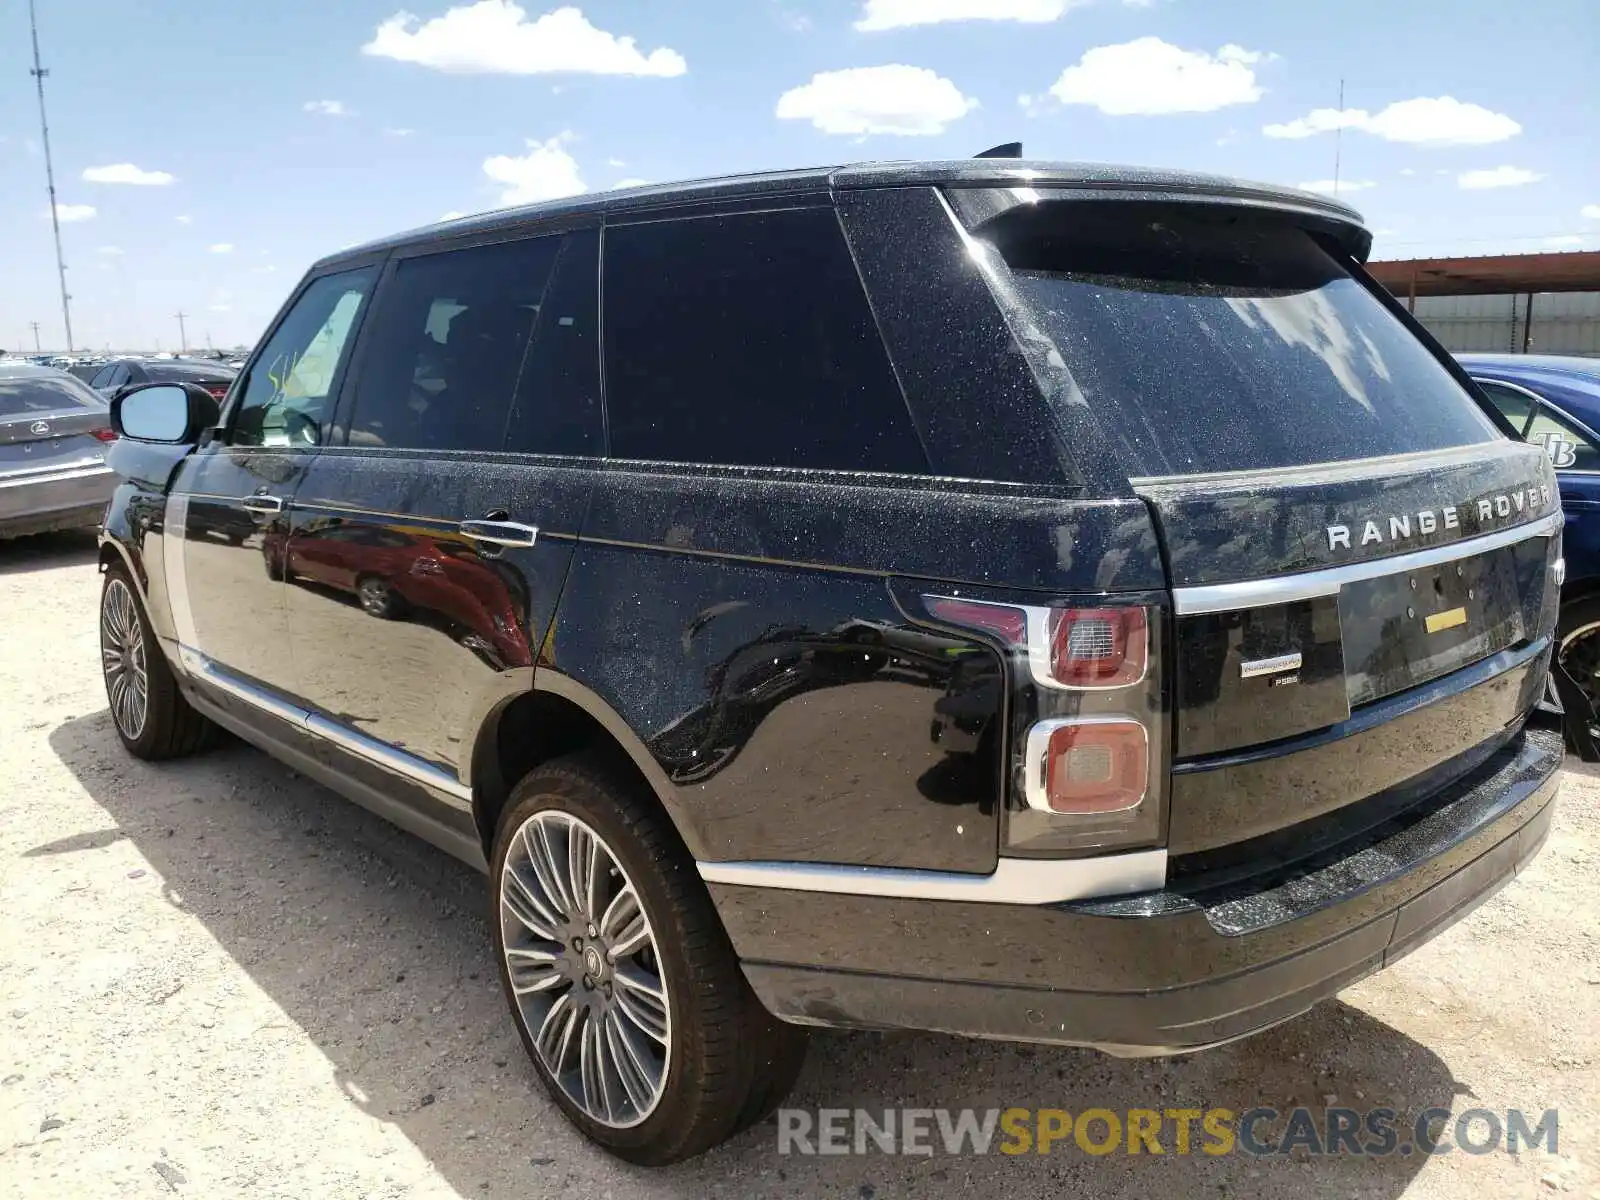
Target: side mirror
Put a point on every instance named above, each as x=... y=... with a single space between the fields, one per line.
x=164 y=412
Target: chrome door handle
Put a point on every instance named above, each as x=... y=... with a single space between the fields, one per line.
x=501 y=533
x=263 y=504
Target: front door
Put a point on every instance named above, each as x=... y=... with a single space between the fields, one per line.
x=428 y=552
x=233 y=497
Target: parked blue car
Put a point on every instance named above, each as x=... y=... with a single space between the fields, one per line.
x=1554 y=401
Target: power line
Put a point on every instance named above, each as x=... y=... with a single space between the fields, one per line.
x=38 y=74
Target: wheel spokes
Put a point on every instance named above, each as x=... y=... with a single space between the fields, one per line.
x=642 y=1000
x=582 y=969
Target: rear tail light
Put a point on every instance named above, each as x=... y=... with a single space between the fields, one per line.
x=1009 y=624
x=1086 y=767
x=1098 y=647
x=1089 y=765
x=103 y=435
x=1075 y=648
x=218 y=391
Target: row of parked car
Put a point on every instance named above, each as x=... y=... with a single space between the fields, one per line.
x=1025 y=600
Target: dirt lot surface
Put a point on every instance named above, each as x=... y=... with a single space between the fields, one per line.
x=217 y=979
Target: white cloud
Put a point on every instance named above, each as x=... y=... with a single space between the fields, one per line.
x=221 y=248
x=400 y=131
x=327 y=108
x=630 y=182
x=452 y=215
x=109 y=251
x=888 y=99
x=1408 y=170
x=1567 y=241
x=219 y=307
x=897 y=14
x=615 y=162
x=1497 y=177
x=495 y=36
x=1337 y=187
x=184 y=219
x=1148 y=77
x=264 y=269
x=545 y=172
x=1424 y=121
x=794 y=22
x=1590 y=212
x=67 y=213
x=127 y=173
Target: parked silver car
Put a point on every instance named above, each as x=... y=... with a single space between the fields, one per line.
x=53 y=431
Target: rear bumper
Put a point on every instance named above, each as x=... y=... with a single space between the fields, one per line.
x=1160 y=972
x=38 y=502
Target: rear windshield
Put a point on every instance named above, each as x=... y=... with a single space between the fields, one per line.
x=176 y=372
x=20 y=394
x=1209 y=341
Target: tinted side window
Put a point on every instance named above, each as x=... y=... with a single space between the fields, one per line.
x=284 y=402
x=102 y=377
x=747 y=340
x=557 y=405
x=1515 y=406
x=440 y=363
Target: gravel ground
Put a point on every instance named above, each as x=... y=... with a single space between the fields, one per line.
x=217 y=979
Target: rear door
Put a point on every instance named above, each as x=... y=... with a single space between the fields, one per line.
x=429 y=549
x=1341 y=522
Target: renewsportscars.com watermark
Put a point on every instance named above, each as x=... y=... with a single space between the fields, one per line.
x=1258 y=1132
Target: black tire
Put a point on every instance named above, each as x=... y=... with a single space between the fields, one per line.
x=171 y=727
x=1578 y=654
x=730 y=1062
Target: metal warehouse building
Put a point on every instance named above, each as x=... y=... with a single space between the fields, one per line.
x=1529 y=303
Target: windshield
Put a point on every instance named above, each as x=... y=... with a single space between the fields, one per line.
x=1208 y=341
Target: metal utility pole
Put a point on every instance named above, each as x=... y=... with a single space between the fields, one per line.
x=38 y=74
x=34 y=325
x=1338 y=137
x=183 y=336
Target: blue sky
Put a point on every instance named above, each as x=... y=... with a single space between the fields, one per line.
x=207 y=152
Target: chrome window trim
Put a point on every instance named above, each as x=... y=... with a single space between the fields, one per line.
x=1312 y=585
x=1014 y=881
x=343 y=736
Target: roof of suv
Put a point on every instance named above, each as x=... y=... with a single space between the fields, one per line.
x=1118 y=182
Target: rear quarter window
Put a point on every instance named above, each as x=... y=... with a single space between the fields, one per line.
x=1214 y=342
x=747 y=340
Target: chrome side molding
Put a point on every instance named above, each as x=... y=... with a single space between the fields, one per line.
x=1311 y=585
x=1014 y=881
x=352 y=740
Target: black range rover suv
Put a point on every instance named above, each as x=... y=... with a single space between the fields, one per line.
x=1031 y=601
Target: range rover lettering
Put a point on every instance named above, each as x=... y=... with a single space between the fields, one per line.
x=1064 y=604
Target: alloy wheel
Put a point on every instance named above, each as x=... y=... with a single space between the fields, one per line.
x=122 y=657
x=1579 y=656
x=584 y=969
x=374 y=596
